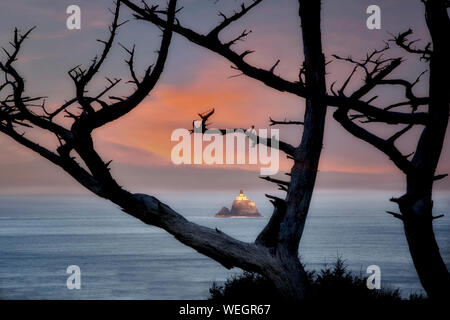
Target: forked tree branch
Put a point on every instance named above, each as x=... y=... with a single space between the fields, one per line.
x=402 y=41
x=267 y=76
x=214 y=33
x=269 y=142
x=386 y=146
x=377 y=68
x=211 y=42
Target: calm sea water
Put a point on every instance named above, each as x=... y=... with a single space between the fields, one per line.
x=121 y=258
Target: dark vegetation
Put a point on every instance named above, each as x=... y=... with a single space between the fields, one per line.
x=331 y=283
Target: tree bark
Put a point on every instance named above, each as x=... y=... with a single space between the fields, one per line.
x=307 y=154
x=430 y=267
x=416 y=205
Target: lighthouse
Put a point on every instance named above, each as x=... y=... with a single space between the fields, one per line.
x=241 y=207
x=241 y=196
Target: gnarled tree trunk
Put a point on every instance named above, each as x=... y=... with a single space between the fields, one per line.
x=307 y=154
x=417 y=221
x=416 y=205
x=289 y=276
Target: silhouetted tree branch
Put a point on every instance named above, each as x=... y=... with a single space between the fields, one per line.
x=212 y=42
x=402 y=41
x=284 y=122
x=267 y=76
x=250 y=133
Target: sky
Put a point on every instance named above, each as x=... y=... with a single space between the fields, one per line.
x=195 y=80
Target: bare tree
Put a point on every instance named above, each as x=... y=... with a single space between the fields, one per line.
x=275 y=251
x=416 y=204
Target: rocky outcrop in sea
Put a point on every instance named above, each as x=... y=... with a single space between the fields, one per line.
x=241 y=207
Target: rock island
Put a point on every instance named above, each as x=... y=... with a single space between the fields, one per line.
x=241 y=207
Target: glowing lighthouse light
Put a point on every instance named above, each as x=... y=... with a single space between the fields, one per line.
x=241 y=196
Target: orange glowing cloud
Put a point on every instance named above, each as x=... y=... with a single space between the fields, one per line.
x=169 y=107
x=239 y=102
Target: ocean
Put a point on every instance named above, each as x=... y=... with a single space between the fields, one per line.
x=121 y=258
